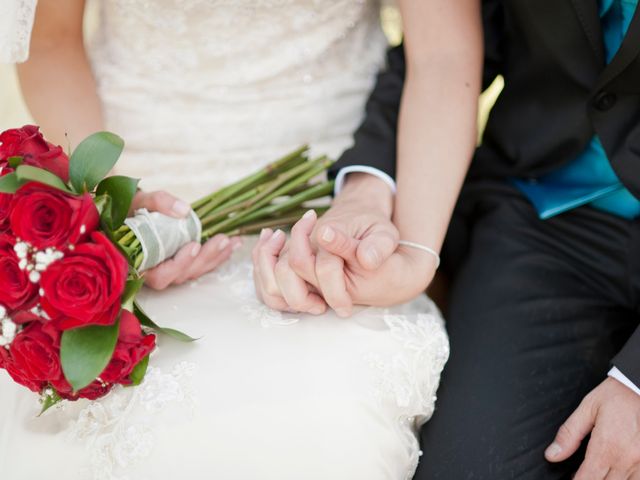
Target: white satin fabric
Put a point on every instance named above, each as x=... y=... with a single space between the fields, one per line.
x=205 y=91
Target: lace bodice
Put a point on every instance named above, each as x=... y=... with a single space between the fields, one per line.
x=16 y=21
x=204 y=91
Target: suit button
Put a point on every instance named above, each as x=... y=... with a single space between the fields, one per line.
x=605 y=101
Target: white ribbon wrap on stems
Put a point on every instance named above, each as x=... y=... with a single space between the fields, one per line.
x=162 y=236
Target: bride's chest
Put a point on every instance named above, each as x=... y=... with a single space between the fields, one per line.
x=228 y=19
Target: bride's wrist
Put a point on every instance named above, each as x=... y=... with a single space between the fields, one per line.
x=369 y=189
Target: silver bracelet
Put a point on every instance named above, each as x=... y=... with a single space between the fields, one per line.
x=424 y=248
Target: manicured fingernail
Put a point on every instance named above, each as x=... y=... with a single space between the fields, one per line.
x=181 y=208
x=277 y=235
x=343 y=312
x=317 y=310
x=224 y=243
x=328 y=234
x=553 y=451
x=196 y=250
x=309 y=214
x=372 y=256
x=236 y=246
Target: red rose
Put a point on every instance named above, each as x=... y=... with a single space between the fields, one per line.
x=131 y=348
x=16 y=291
x=34 y=357
x=46 y=217
x=28 y=142
x=86 y=286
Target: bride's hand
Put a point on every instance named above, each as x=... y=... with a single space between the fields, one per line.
x=193 y=260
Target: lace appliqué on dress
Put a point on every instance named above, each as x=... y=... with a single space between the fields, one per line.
x=118 y=430
x=16 y=23
x=239 y=276
x=409 y=377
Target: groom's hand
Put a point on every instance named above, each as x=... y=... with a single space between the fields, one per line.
x=191 y=261
x=611 y=413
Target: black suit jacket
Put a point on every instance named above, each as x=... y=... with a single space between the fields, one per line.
x=558 y=93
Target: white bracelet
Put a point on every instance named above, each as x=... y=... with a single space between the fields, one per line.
x=424 y=248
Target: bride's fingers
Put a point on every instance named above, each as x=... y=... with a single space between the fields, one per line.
x=168 y=271
x=162 y=202
x=301 y=256
x=265 y=255
x=275 y=302
x=331 y=279
x=264 y=266
x=296 y=291
x=265 y=235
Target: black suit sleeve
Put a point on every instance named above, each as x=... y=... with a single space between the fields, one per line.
x=375 y=139
x=628 y=360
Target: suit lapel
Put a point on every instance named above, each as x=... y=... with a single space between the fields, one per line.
x=571 y=31
x=628 y=52
x=587 y=12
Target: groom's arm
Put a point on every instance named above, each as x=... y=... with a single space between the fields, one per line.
x=375 y=140
x=627 y=363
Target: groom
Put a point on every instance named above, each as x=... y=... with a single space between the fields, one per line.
x=543 y=250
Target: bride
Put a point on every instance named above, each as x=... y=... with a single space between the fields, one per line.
x=203 y=92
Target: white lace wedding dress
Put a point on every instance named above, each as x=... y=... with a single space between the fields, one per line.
x=204 y=91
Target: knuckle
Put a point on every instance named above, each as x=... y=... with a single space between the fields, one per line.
x=273 y=303
x=324 y=269
x=271 y=290
x=565 y=433
x=157 y=283
x=296 y=304
x=297 y=262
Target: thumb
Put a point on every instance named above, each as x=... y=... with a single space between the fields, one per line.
x=571 y=434
x=335 y=241
x=162 y=202
x=376 y=247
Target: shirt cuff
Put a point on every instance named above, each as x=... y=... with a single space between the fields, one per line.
x=622 y=378
x=342 y=174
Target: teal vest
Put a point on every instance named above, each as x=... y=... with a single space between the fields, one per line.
x=589 y=179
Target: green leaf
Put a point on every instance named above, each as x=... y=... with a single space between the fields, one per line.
x=49 y=398
x=121 y=191
x=139 y=371
x=103 y=204
x=147 y=322
x=15 y=162
x=27 y=173
x=93 y=159
x=131 y=289
x=86 y=351
x=10 y=183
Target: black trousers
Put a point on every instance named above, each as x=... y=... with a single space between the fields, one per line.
x=537 y=311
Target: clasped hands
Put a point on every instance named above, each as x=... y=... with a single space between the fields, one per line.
x=348 y=257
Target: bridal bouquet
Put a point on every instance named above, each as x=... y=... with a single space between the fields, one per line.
x=71 y=261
